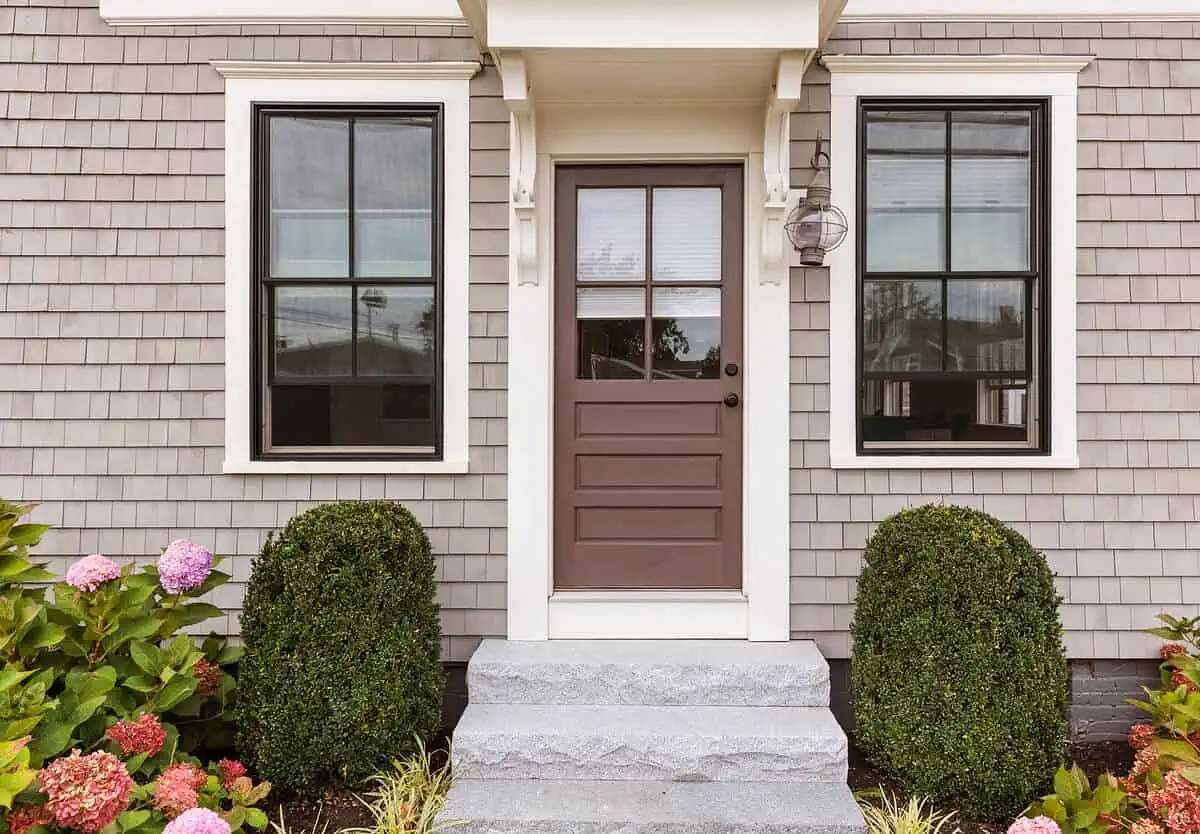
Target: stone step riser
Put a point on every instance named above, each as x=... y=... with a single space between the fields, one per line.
x=652 y=808
x=649 y=686
x=650 y=674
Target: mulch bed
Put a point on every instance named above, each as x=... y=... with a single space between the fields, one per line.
x=1095 y=758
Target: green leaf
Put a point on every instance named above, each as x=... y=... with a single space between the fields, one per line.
x=27 y=535
x=178 y=651
x=256 y=818
x=1085 y=816
x=45 y=636
x=1176 y=749
x=198 y=612
x=94 y=683
x=140 y=683
x=53 y=738
x=237 y=817
x=175 y=692
x=134 y=764
x=84 y=710
x=1192 y=774
x=132 y=819
x=10 y=677
x=230 y=654
x=1065 y=785
x=137 y=628
x=148 y=658
x=191 y=707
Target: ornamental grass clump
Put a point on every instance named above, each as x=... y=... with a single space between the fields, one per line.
x=342 y=670
x=959 y=671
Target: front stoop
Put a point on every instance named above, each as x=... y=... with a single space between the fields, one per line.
x=650 y=737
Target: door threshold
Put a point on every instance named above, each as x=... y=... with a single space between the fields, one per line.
x=649 y=615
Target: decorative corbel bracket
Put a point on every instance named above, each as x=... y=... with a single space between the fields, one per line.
x=777 y=173
x=523 y=164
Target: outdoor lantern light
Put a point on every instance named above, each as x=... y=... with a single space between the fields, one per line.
x=816 y=226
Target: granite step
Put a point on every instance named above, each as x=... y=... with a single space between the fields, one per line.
x=649 y=743
x=555 y=807
x=649 y=673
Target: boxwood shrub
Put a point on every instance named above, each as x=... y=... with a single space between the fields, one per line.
x=959 y=672
x=342 y=670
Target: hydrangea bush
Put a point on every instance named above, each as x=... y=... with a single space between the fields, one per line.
x=1161 y=792
x=102 y=700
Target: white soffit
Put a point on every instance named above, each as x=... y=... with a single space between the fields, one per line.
x=1004 y=10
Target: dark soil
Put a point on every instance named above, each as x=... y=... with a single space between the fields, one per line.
x=1095 y=758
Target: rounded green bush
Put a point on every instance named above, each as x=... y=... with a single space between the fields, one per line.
x=959 y=672
x=342 y=669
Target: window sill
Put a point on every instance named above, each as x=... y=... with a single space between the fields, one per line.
x=345 y=467
x=954 y=462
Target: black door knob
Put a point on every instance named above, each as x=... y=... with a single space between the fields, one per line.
x=732 y=400
x=731 y=369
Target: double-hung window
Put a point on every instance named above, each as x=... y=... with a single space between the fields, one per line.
x=347 y=273
x=952 y=276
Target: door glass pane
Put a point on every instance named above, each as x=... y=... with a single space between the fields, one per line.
x=687 y=234
x=687 y=333
x=396 y=330
x=906 y=211
x=612 y=234
x=985 y=330
x=945 y=409
x=312 y=331
x=612 y=333
x=393 y=197
x=902 y=326
x=352 y=416
x=309 y=194
x=990 y=181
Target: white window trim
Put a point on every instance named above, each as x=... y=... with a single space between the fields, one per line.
x=1000 y=76
x=248 y=83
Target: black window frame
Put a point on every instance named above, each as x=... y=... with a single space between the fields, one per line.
x=1037 y=277
x=262 y=335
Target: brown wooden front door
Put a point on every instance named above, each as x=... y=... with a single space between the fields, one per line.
x=648 y=355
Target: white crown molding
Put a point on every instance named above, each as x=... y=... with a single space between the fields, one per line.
x=432 y=70
x=889 y=11
x=952 y=64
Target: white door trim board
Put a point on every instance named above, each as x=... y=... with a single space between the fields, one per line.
x=761 y=612
x=248 y=83
x=984 y=76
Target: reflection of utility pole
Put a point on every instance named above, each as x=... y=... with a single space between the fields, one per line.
x=373 y=299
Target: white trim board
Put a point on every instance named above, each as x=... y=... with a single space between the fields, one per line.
x=448 y=12
x=1053 y=77
x=582 y=134
x=867 y=11
x=247 y=83
x=276 y=12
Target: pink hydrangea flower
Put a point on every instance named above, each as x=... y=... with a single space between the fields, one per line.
x=90 y=572
x=25 y=817
x=86 y=792
x=1034 y=825
x=197 y=821
x=231 y=771
x=1178 y=801
x=1140 y=736
x=184 y=566
x=176 y=791
x=1146 y=826
x=208 y=677
x=146 y=735
x=1169 y=650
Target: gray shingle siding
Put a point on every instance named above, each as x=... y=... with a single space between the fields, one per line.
x=111 y=300
x=1122 y=532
